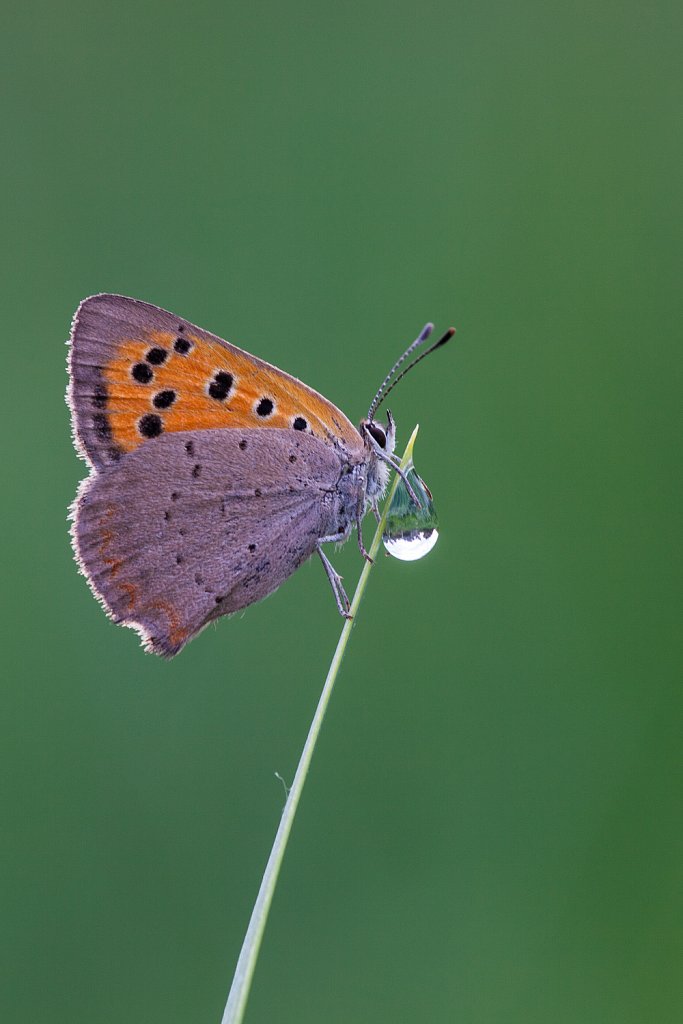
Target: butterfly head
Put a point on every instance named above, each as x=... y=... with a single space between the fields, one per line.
x=380 y=440
x=384 y=436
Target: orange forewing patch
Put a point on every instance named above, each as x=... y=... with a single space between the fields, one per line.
x=192 y=408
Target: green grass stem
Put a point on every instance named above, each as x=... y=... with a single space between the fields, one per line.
x=246 y=964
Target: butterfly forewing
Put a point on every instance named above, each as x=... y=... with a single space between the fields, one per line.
x=138 y=372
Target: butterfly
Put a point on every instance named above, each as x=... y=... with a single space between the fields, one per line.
x=213 y=475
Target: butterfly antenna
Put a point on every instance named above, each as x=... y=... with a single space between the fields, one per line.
x=421 y=338
x=388 y=384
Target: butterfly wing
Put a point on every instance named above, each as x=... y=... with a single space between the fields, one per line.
x=177 y=533
x=138 y=371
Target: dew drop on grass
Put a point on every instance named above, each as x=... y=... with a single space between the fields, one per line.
x=411 y=532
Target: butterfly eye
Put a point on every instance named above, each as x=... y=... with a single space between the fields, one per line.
x=378 y=434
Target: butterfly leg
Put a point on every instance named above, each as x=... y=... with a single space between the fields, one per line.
x=359 y=526
x=343 y=603
x=395 y=463
x=411 y=490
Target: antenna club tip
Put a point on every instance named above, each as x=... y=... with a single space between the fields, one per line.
x=450 y=332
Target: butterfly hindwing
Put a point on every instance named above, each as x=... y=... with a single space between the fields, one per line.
x=138 y=372
x=194 y=525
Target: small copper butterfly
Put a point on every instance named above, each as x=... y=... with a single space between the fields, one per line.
x=213 y=475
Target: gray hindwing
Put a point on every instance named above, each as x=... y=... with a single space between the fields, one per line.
x=194 y=525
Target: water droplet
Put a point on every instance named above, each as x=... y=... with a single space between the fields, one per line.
x=411 y=532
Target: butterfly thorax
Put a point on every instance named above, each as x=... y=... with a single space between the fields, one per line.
x=364 y=477
x=378 y=478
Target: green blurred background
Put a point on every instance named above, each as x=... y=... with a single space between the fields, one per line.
x=492 y=829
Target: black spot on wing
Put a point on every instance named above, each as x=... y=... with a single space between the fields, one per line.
x=221 y=385
x=265 y=407
x=142 y=373
x=150 y=425
x=102 y=427
x=164 y=399
x=100 y=397
x=157 y=356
